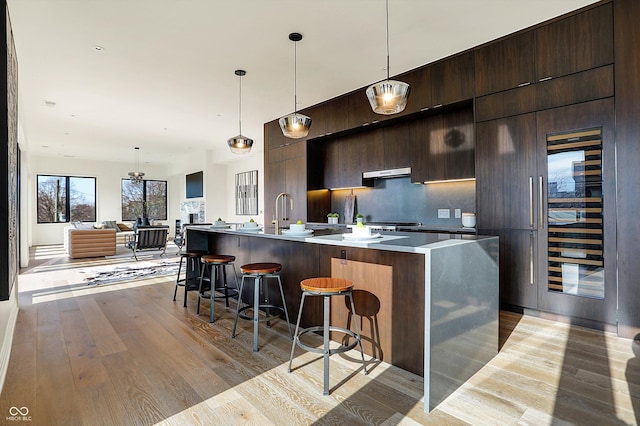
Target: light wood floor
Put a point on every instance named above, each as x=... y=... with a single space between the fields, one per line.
x=127 y=354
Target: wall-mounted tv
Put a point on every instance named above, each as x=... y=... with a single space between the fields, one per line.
x=194 y=185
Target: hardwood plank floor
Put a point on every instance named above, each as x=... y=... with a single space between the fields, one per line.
x=127 y=354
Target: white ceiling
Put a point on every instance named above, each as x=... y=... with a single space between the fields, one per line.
x=165 y=80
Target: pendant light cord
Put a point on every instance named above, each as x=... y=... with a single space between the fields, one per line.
x=295 y=77
x=387 y=10
x=240 y=109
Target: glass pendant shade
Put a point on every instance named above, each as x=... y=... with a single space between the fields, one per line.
x=240 y=144
x=137 y=176
x=388 y=96
x=295 y=126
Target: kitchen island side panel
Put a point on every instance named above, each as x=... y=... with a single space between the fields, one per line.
x=461 y=315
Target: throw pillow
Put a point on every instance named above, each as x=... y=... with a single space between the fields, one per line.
x=124 y=227
x=80 y=225
x=111 y=224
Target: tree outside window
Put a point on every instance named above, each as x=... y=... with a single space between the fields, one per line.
x=147 y=198
x=66 y=199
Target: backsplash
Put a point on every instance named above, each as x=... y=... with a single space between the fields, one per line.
x=399 y=200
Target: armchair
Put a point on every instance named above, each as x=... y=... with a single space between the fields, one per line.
x=148 y=238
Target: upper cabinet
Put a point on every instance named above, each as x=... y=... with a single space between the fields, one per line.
x=273 y=136
x=577 y=43
x=336 y=115
x=419 y=81
x=318 y=120
x=360 y=112
x=443 y=147
x=452 y=79
x=505 y=64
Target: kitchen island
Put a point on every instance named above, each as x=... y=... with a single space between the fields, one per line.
x=428 y=303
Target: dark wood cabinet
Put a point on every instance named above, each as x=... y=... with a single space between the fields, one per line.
x=452 y=79
x=336 y=114
x=506 y=173
x=318 y=120
x=273 y=136
x=360 y=112
x=517 y=267
x=577 y=43
x=506 y=103
x=398 y=146
x=627 y=60
x=575 y=88
x=419 y=81
x=345 y=158
x=286 y=171
x=443 y=147
x=505 y=64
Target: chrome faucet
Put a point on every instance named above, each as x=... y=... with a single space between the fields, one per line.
x=276 y=220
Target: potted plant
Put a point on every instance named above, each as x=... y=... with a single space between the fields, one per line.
x=333 y=218
x=359 y=218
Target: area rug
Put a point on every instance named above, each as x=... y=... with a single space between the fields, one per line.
x=129 y=272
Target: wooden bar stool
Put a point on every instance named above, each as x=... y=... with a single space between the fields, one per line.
x=260 y=272
x=191 y=273
x=216 y=265
x=327 y=288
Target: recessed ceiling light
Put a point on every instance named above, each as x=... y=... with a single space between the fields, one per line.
x=97 y=48
x=49 y=103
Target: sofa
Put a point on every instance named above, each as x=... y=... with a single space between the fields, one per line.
x=89 y=242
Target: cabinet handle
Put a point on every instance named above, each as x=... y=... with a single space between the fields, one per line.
x=540 y=202
x=531 y=263
x=524 y=84
x=437 y=106
x=546 y=78
x=531 y=202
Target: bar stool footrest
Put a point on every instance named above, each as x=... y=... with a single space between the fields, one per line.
x=232 y=292
x=261 y=319
x=338 y=350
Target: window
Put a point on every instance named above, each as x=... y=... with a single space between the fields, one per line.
x=144 y=199
x=66 y=199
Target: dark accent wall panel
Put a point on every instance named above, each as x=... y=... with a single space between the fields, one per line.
x=9 y=165
x=627 y=69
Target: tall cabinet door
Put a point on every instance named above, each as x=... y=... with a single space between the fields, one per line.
x=505 y=173
x=577 y=226
x=506 y=206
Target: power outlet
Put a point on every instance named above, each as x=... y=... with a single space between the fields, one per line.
x=458 y=213
x=444 y=214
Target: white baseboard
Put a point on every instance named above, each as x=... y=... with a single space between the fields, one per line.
x=8 y=316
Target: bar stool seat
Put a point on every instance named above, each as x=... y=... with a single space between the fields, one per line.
x=192 y=272
x=218 y=275
x=260 y=272
x=326 y=287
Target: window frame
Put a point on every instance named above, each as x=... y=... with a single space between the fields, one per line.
x=144 y=199
x=67 y=205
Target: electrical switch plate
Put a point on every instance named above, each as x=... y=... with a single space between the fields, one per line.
x=443 y=214
x=458 y=213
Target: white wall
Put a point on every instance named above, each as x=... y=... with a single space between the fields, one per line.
x=108 y=190
x=219 y=188
x=219 y=184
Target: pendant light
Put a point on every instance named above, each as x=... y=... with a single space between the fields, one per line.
x=295 y=125
x=388 y=96
x=137 y=176
x=240 y=144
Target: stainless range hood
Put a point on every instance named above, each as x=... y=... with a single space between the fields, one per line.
x=387 y=174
